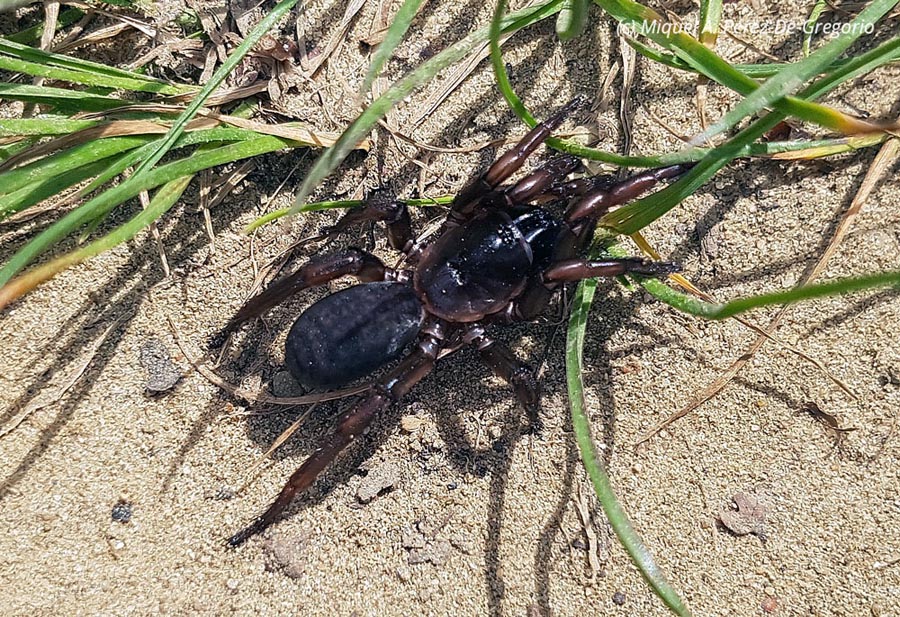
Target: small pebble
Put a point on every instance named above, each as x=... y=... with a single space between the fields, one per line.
x=769 y=605
x=618 y=598
x=121 y=512
x=162 y=374
x=232 y=584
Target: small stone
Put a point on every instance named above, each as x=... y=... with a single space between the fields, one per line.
x=380 y=479
x=284 y=385
x=411 y=423
x=162 y=374
x=232 y=584
x=121 y=512
x=618 y=598
x=769 y=604
x=769 y=591
x=404 y=574
x=287 y=554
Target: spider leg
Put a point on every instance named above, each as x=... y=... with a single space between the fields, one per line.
x=501 y=360
x=598 y=201
x=380 y=205
x=505 y=166
x=351 y=425
x=577 y=269
x=542 y=180
x=599 y=195
x=318 y=271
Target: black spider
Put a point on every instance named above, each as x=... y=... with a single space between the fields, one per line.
x=498 y=258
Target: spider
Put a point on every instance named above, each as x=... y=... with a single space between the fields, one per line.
x=498 y=258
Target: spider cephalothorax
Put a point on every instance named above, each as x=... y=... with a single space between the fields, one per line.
x=498 y=258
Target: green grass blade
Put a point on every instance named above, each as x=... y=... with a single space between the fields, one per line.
x=259 y=31
x=65 y=100
x=710 y=18
x=19 y=127
x=812 y=20
x=710 y=310
x=359 y=128
x=341 y=203
x=36 y=56
x=791 y=79
x=640 y=213
x=755 y=71
x=106 y=201
x=572 y=19
x=33 y=34
x=76 y=156
x=395 y=33
x=16 y=65
x=43 y=188
x=645 y=21
x=162 y=201
x=618 y=520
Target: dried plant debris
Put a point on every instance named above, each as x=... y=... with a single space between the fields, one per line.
x=828 y=420
x=748 y=518
x=162 y=374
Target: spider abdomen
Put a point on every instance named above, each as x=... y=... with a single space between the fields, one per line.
x=349 y=334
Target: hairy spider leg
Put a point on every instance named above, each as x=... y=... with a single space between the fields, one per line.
x=380 y=205
x=352 y=425
x=319 y=270
x=504 y=364
x=466 y=201
x=569 y=270
x=599 y=201
x=581 y=218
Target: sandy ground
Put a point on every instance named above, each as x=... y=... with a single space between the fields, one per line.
x=480 y=518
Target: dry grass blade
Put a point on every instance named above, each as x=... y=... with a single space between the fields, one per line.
x=882 y=163
x=311 y=66
x=453 y=81
x=283 y=437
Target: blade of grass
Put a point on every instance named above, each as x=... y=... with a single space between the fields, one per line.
x=345 y=203
x=29 y=35
x=359 y=128
x=571 y=19
x=274 y=16
x=791 y=79
x=45 y=187
x=36 y=56
x=77 y=156
x=710 y=18
x=714 y=310
x=811 y=21
x=400 y=24
x=647 y=22
x=640 y=213
x=89 y=78
x=106 y=201
x=59 y=98
x=618 y=520
x=164 y=199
